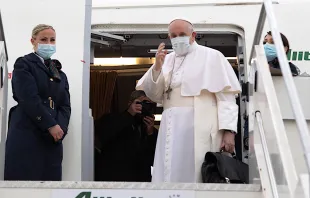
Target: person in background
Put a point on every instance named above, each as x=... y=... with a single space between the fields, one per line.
x=271 y=53
x=39 y=122
x=128 y=142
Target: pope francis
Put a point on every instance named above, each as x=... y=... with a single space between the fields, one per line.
x=197 y=87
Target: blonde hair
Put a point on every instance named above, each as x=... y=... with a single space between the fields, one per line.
x=40 y=28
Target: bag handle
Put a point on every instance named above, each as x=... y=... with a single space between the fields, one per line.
x=233 y=154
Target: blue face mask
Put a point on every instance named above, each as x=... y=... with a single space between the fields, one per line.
x=270 y=51
x=46 y=50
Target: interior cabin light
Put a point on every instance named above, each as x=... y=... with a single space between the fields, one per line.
x=157 y=117
x=231 y=58
x=154 y=51
x=122 y=61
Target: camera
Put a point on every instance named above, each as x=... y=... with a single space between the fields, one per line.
x=148 y=108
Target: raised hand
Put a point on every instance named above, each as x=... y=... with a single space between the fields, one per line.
x=160 y=57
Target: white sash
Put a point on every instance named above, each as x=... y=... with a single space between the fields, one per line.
x=207 y=136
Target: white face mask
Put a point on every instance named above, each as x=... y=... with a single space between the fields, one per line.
x=180 y=45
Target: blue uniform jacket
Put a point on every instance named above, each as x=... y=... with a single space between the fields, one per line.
x=43 y=102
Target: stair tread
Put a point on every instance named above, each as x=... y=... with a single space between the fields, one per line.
x=128 y=185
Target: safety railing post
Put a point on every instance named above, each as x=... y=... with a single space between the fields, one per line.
x=267 y=12
x=289 y=82
x=273 y=183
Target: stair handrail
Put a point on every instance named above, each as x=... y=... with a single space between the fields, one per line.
x=267 y=12
x=268 y=90
x=267 y=155
x=289 y=82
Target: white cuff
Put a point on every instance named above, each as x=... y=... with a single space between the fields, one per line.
x=155 y=75
x=228 y=115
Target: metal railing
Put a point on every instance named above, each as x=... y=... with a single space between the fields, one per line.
x=267 y=12
x=272 y=179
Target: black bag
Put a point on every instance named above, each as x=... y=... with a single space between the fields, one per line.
x=220 y=168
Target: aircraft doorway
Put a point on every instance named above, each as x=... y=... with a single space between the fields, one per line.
x=3 y=96
x=117 y=65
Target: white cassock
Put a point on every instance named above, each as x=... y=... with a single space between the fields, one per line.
x=202 y=103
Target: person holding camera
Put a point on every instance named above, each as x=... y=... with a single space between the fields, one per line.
x=128 y=142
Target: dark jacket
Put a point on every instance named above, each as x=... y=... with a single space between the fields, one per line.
x=43 y=102
x=127 y=151
x=275 y=64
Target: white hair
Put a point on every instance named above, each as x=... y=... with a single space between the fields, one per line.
x=189 y=25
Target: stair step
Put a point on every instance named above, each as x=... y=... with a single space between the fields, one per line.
x=67 y=189
x=131 y=185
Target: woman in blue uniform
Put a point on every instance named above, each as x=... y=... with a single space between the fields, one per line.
x=39 y=122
